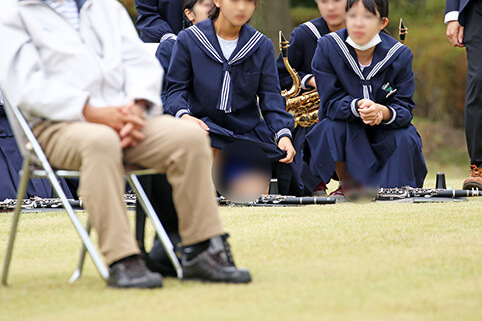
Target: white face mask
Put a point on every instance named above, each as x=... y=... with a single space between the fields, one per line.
x=372 y=43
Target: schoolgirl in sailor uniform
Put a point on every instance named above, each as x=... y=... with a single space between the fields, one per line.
x=366 y=85
x=194 y=11
x=224 y=91
x=303 y=42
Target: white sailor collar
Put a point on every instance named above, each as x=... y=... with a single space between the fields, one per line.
x=385 y=52
x=204 y=35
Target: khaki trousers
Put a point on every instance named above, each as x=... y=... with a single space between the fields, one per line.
x=175 y=147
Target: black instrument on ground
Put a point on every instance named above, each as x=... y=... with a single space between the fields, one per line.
x=390 y=194
x=270 y=200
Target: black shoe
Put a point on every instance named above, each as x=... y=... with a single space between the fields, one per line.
x=214 y=264
x=133 y=273
x=157 y=259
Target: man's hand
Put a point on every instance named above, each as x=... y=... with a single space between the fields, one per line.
x=455 y=33
x=286 y=145
x=197 y=121
x=131 y=133
x=125 y=120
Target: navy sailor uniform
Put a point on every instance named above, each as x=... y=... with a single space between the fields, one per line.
x=303 y=41
x=228 y=95
x=158 y=18
x=387 y=155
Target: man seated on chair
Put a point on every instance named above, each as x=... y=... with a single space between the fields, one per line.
x=77 y=70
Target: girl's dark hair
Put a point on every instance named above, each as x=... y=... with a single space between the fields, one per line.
x=214 y=13
x=188 y=4
x=377 y=7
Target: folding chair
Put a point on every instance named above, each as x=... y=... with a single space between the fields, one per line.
x=36 y=165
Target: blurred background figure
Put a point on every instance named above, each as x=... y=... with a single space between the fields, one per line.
x=464 y=29
x=242 y=172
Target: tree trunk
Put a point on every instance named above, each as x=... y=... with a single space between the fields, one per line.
x=272 y=16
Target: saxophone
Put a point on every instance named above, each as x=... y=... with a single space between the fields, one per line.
x=304 y=108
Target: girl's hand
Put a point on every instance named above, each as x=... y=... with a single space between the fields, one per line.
x=197 y=121
x=311 y=82
x=372 y=113
x=286 y=145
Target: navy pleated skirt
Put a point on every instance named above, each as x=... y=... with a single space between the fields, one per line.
x=375 y=156
x=307 y=181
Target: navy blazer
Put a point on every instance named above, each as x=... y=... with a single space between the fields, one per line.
x=457 y=5
x=302 y=48
x=158 y=17
x=196 y=78
x=341 y=83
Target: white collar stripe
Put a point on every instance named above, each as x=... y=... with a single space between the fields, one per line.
x=356 y=68
x=389 y=55
x=202 y=38
x=313 y=29
x=350 y=59
x=247 y=47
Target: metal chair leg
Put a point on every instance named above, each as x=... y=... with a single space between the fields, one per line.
x=24 y=179
x=163 y=237
x=80 y=266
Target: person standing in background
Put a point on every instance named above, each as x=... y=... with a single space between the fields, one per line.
x=464 y=29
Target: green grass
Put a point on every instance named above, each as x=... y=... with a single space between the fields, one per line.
x=335 y=262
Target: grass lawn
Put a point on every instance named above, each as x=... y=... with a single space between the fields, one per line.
x=334 y=262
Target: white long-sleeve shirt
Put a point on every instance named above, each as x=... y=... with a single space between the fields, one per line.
x=50 y=70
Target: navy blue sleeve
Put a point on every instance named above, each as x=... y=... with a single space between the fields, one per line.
x=179 y=78
x=149 y=21
x=295 y=57
x=452 y=5
x=163 y=54
x=272 y=104
x=402 y=102
x=335 y=102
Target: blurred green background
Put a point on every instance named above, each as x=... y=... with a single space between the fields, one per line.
x=439 y=68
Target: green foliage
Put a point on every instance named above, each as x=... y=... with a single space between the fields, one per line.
x=130 y=5
x=300 y=15
x=303 y=3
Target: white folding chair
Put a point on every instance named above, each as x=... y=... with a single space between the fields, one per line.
x=36 y=165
